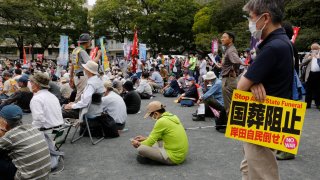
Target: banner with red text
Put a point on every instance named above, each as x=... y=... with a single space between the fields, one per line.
x=276 y=123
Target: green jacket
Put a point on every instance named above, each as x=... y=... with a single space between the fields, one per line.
x=193 y=63
x=170 y=130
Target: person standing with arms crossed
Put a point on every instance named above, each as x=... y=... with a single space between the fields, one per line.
x=270 y=74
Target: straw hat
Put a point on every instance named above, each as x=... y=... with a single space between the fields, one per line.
x=210 y=75
x=91 y=66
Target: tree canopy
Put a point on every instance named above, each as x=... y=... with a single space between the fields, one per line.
x=41 y=21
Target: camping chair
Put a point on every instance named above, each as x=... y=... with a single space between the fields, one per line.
x=87 y=129
x=60 y=135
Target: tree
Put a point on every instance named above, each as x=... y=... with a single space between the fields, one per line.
x=41 y=21
x=15 y=22
x=224 y=16
x=165 y=25
x=304 y=14
x=59 y=17
x=113 y=17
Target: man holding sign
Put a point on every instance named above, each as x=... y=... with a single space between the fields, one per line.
x=271 y=74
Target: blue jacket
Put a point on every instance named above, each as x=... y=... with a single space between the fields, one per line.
x=215 y=91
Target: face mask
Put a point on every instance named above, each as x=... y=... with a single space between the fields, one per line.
x=253 y=29
x=223 y=48
x=154 y=117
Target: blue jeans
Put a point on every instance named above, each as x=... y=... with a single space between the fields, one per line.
x=139 y=74
x=3 y=96
x=191 y=73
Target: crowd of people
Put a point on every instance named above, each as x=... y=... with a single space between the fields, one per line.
x=85 y=90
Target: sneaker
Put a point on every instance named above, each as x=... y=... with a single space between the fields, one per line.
x=60 y=166
x=199 y=118
x=284 y=156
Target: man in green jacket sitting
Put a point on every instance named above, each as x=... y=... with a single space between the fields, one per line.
x=168 y=141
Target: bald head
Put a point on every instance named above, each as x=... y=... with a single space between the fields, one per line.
x=315 y=46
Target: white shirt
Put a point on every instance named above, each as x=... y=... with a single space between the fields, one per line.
x=203 y=67
x=314 y=65
x=85 y=97
x=46 y=110
x=139 y=66
x=144 y=87
x=114 y=105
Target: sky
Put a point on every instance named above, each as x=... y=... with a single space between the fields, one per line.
x=91 y=2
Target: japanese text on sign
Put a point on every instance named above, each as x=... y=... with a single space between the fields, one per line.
x=276 y=123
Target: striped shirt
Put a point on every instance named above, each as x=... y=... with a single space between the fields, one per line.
x=29 y=152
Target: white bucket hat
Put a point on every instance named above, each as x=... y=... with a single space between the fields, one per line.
x=91 y=66
x=210 y=75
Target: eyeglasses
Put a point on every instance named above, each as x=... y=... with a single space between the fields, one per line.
x=4 y=130
x=151 y=114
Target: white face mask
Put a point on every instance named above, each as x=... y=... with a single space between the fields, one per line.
x=253 y=29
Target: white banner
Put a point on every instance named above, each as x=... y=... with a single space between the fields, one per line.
x=63 y=51
x=126 y=50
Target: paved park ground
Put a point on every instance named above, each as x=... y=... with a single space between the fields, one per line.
x=211 y=155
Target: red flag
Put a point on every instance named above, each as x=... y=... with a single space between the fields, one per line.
x=93 y=53
x=134 y=52
x=24 y=56
x=295 y=34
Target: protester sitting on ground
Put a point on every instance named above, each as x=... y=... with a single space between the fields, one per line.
x=155 y=81
x=118 y=87
x=65 y=90
x=22 y=97
x=46 y=114
x=24 y=151
x=54 y=88
x=173 y=88
x=167 y=142
x=213 y=98
x=192 y=92
x=164 y=73
x=131 y=98
x=114 y=105
x=144 y=89
x=182 y=81
x=8 y=86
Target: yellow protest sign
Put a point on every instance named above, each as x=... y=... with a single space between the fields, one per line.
x=276 y=123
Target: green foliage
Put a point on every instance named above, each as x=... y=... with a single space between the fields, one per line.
x=224 y=16
x=228 y=16
x=306 y=15
x=41 y=21
x=162 y=24
x=113 y=17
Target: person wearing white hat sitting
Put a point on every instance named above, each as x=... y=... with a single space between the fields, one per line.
x=213 y=98
x=94 y=88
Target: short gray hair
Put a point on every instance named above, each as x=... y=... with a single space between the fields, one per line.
x=274 y=7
